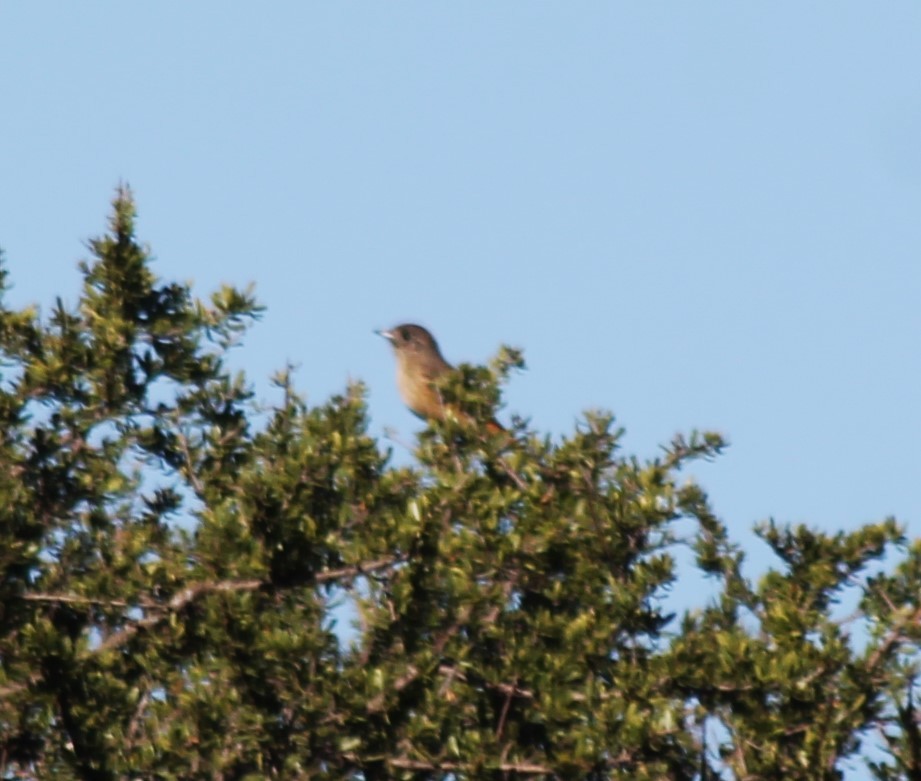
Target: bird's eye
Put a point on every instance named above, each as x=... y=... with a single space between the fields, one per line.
x=404 y=334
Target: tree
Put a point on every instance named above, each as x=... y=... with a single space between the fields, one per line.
x=172 y=555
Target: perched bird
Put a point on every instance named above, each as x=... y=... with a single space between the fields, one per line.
x=419 y=365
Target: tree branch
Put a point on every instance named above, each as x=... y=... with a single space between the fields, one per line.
x=190 y=593
x=72 y=599
x=530 y=768
x=893 y=636
x=179 y=600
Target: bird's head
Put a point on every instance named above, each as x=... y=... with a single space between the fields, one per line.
x=408 y=339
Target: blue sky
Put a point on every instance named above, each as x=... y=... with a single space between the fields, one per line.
x=696 y=215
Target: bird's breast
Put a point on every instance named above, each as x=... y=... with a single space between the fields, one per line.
x=418 y=392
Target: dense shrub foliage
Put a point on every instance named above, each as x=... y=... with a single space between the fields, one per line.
x=173 y=555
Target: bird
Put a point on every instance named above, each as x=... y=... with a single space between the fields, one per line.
x=419 y=365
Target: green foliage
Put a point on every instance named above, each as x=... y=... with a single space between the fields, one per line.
x=172 y=555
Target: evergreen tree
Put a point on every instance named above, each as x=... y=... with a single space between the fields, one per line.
x=172 y=556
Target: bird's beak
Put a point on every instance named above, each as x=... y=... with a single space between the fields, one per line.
x=388 y=335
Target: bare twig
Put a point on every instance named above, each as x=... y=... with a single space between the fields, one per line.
x=133 y=726
x=516 y=478
x=182 y=598
x=358 y=569
x=404 y=763
x=72 y=599
x=412 y=672
x=503 y=716
x=179 y=600
x=505 y=688
x=892 y=637
x=190 y=469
